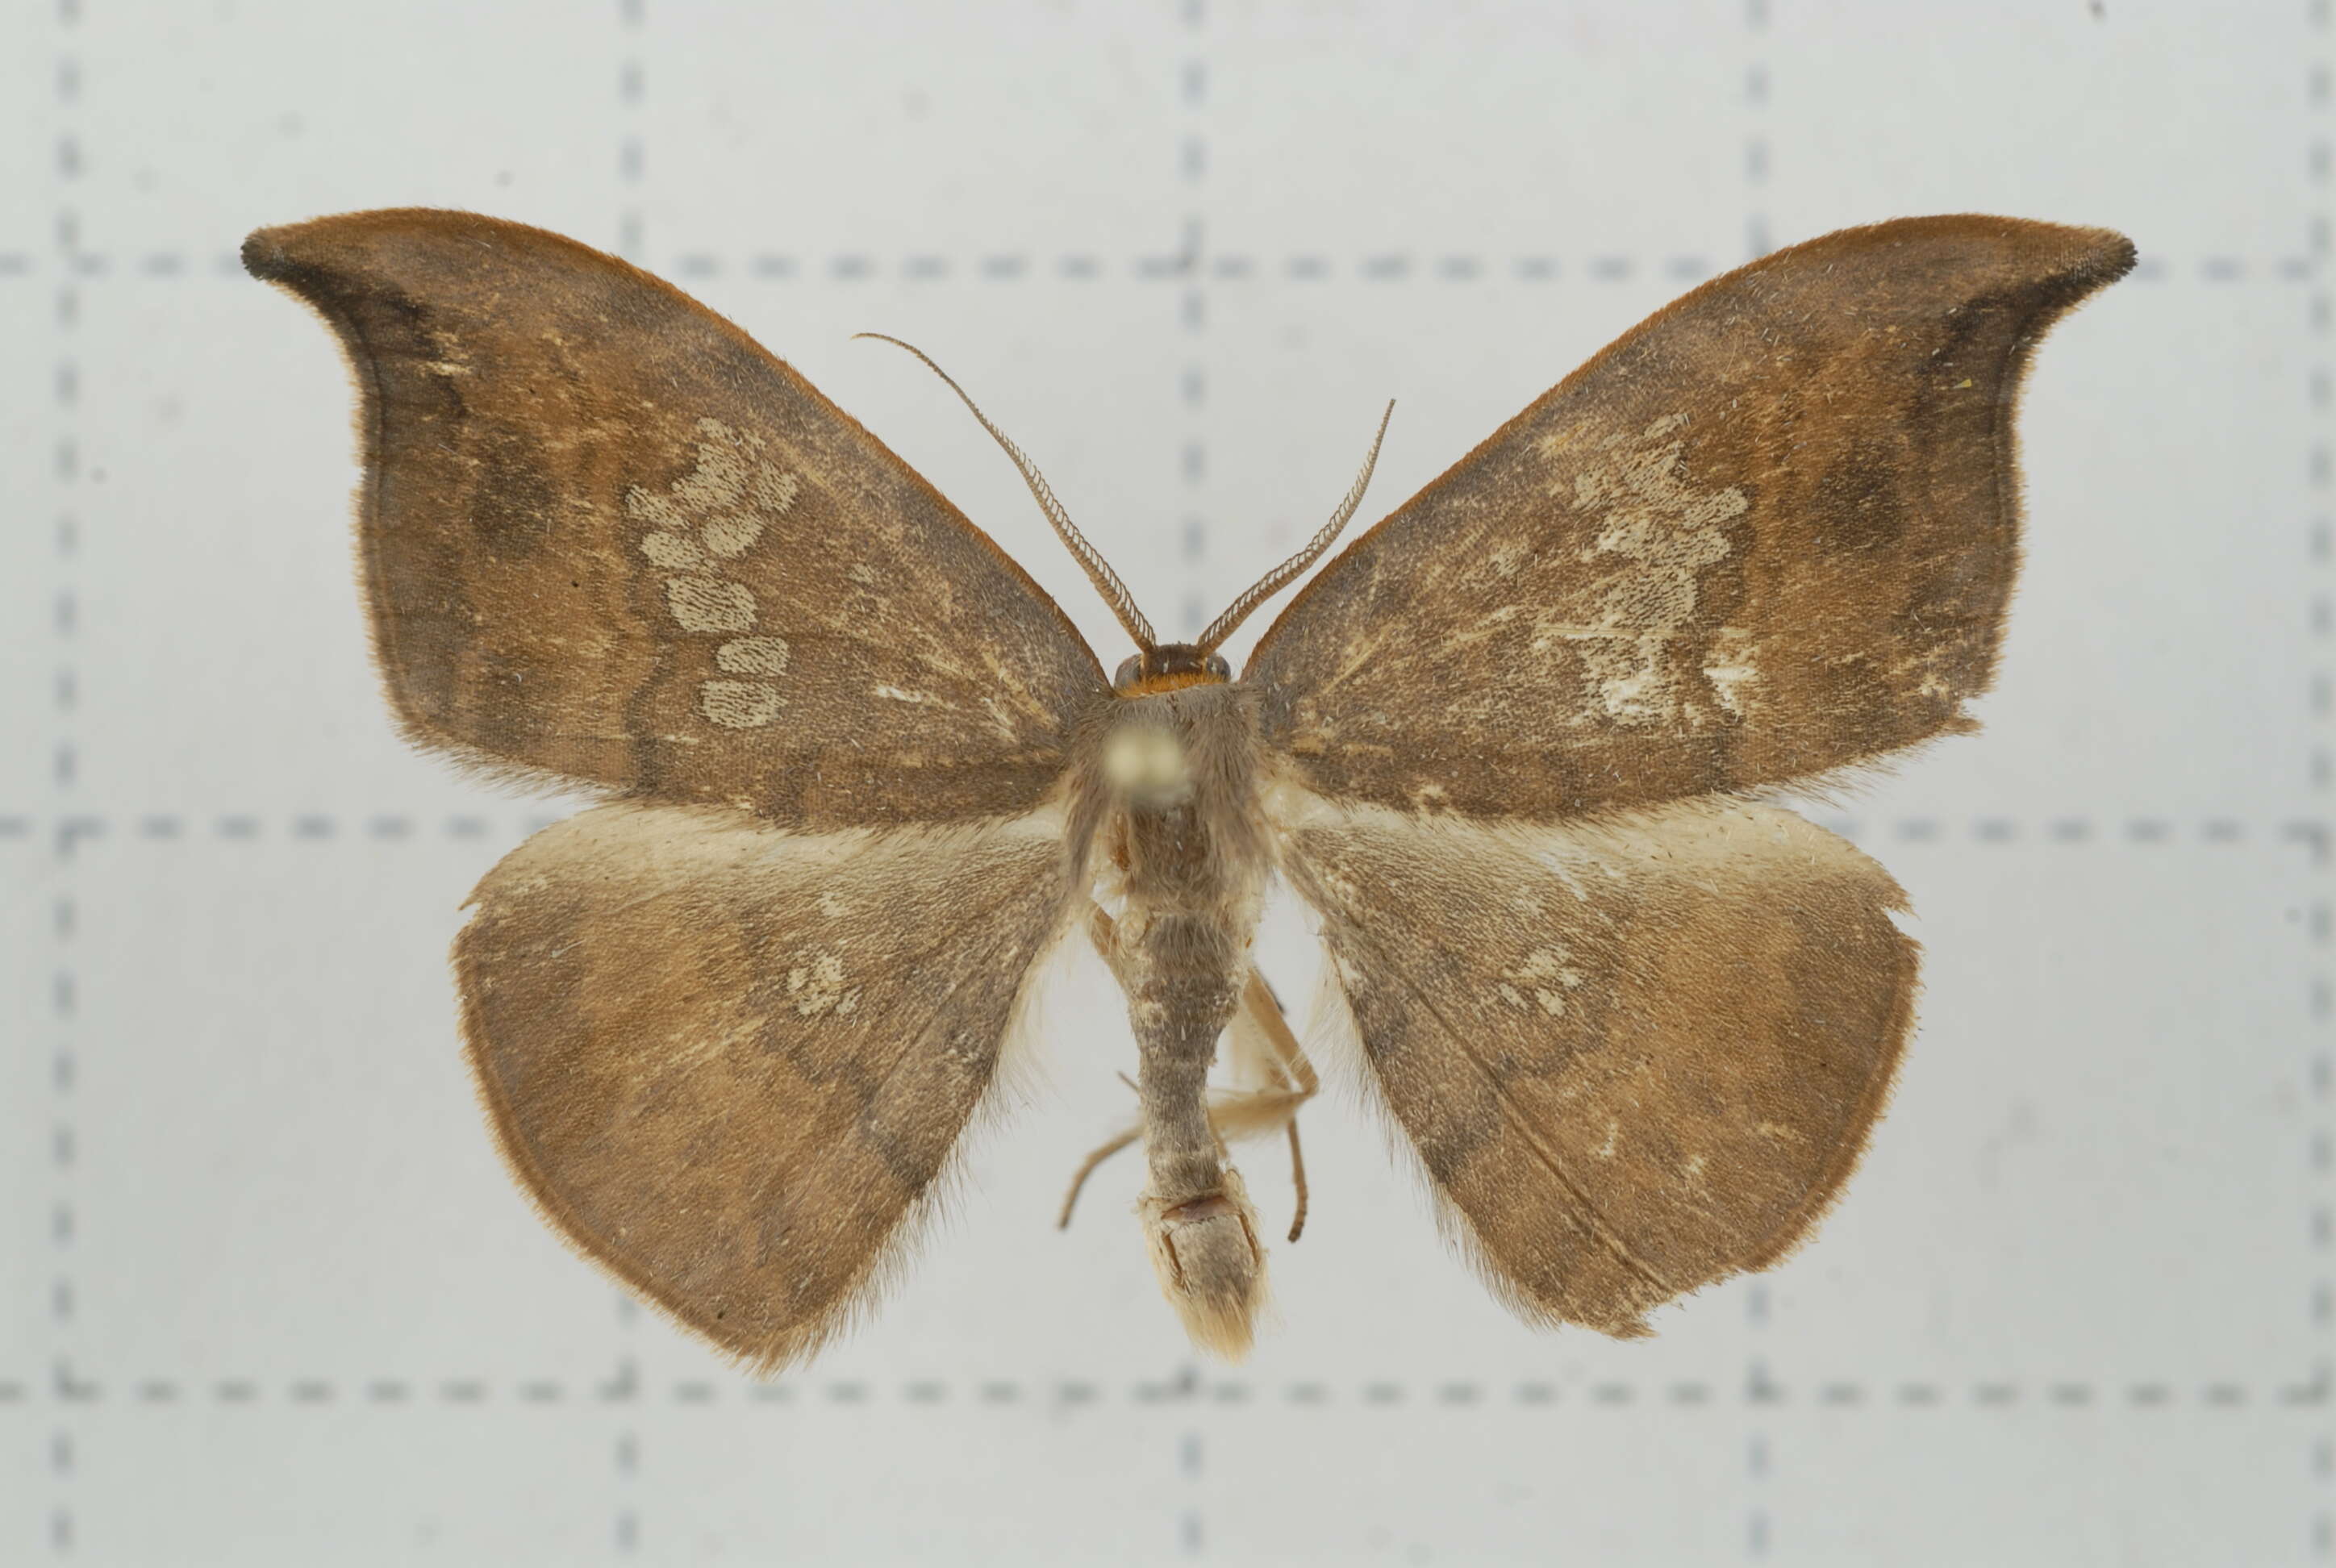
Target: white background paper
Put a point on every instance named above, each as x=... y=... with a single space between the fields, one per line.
x=266 y=1295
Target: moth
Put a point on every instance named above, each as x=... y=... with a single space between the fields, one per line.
x=1511 y=747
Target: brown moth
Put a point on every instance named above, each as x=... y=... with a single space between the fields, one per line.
x=862 y=775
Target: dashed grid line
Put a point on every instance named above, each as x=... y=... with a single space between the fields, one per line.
x=632 y=148
x=68 y=830
x=1758 y=1390
x=2320 y=1072
x=1193 y=385
x=1192 y=388
x=64 y=981
x=1179 y=267
x=632 y=173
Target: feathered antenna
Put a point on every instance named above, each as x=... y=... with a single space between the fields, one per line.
x=1274 y=582
x=1107 y=582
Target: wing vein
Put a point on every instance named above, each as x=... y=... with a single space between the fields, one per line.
x=917 y=1038
x=1598 y=1223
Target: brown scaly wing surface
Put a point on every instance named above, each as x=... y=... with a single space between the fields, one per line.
x=1769 y=532
x=1635 y=1058
x=730 y=1063
x=606 y=536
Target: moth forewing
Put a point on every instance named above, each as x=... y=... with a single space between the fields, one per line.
x=607 y=538
x=1769 y=532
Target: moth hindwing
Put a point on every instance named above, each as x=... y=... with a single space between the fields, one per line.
x=862 y=775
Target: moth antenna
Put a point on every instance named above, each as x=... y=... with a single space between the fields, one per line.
x=1107 y=582
x=1274 y=582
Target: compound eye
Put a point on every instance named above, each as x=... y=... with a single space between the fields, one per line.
x=1219 y=667
x=1129 y=670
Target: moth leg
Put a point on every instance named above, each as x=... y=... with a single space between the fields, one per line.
x=1266 y=1053
x=1104 y=932
x=1297 y=1180
x=1087 y=1168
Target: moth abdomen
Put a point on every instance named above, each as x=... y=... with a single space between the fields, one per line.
x=1170 y=778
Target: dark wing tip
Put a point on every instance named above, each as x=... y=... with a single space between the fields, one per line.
x=2039 y=269
x=2101 y=257
x=301 y=256
x=1986 y=250
x=263 y=254
x=275 y=254
x=2113 y=259
x=283 y=252
x=297 y=256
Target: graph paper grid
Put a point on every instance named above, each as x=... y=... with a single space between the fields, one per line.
x=267 y=1296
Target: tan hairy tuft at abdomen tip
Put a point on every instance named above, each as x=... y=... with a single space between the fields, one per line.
x=1210 y=1267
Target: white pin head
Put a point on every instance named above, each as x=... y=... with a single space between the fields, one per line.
x=1146 y=762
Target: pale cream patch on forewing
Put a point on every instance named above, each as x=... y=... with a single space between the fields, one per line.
x=725 y=536
x=652 y=511
x=715 y=514
x=673 y=552
x=739 y=704
x=718 y=482
x=1730 y=668
x=913 y=698
x=752 y=656
x=1660 y=533
x=728 y=496
x=710 y=605
x=775 y=492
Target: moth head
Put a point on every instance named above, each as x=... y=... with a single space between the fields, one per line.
x=1169 y=667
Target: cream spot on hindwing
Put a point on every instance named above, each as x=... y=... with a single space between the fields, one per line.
x=1547 y=974
x=1551 y=964
x=817 y=988
x=714 y=514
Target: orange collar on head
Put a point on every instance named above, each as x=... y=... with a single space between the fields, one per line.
x=1173 y=680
